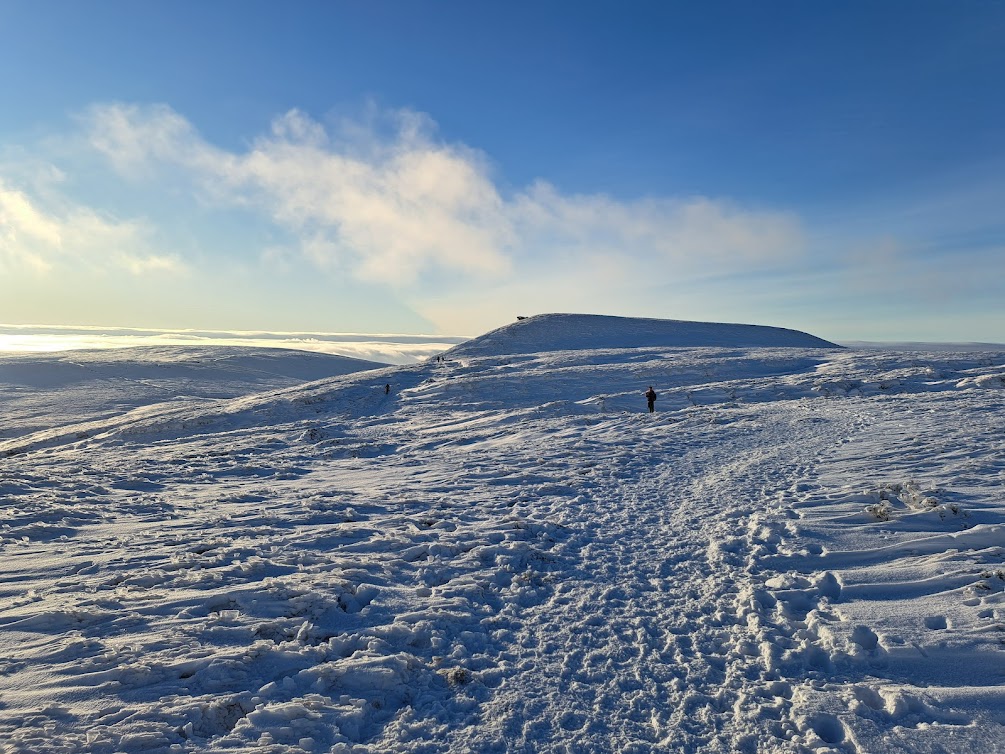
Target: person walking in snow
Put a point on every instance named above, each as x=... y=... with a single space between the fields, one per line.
x=387 y=389
x=651 y=397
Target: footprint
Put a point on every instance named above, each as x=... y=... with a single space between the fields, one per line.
x=870 y=697
x=829 y=729
x=936 y=622
x=828 y=586
x=573 y=721
x=866 y=638
x=780 y=689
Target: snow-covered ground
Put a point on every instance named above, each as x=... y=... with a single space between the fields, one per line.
x=802 y=550
x=47 y=390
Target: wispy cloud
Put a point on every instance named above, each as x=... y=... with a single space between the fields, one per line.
x=388 y=210
x=386 y=200
x=23 y=230
x=36 y=238
x=694 y=233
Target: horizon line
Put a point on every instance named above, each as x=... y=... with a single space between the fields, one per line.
x=196 y=330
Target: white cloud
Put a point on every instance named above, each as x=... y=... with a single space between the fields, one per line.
x=395 y=205
x=23 y=229
x=36 y=239
x=135 y=138
x=691 y=233
x=391 y=211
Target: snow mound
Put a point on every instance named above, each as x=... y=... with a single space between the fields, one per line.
x=44 y=391
x=235 y=367
x=567 y=332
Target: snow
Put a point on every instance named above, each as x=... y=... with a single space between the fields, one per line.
x=802 y=550
x=553 y=332
x=37 y=389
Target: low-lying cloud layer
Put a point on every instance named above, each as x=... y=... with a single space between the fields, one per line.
x=386 y=348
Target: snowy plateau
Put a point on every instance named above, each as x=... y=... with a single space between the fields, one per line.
x=257 y=550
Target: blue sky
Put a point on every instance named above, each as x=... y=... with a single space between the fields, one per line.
x=442 y=167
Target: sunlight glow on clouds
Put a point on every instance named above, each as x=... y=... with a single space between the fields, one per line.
x=397 y=206
x=379 y=204
x=383 y=348
x=390 y=213
x=37 y=239
x=22 y=229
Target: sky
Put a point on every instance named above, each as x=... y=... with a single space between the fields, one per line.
x=443 y=167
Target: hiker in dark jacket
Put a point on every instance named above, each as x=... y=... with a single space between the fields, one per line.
x=651 y=397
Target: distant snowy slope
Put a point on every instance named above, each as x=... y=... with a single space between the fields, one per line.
x=870 y=345
x=566 y=332
x=78 y=386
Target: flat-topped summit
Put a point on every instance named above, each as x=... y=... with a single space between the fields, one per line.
x=561 y=332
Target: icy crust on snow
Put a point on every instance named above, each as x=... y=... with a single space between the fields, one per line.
x=802 y=551
x=566 y=332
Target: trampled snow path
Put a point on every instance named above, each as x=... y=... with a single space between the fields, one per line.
x=637 y=648
x=800 y=552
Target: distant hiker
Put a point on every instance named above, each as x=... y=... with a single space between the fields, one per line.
x=387 y=389
x=651 y=397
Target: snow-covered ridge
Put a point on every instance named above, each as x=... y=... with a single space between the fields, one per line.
x=566 y=332
x=40 y=391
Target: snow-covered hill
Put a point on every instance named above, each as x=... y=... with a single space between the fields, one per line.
x=560 y=332
x=801 y=551
x=40 y=389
